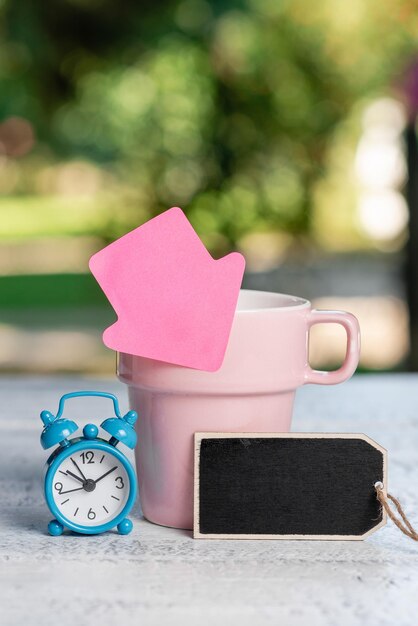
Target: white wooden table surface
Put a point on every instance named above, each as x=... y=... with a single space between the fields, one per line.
x=160 y=576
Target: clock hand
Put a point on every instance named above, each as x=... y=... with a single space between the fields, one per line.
x=79 y=470
x=70 y=490
x=74 y=476
x=106 y=474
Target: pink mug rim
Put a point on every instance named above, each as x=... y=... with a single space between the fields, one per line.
x=268 y=301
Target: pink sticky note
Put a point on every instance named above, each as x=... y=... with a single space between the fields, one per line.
x=174 y=302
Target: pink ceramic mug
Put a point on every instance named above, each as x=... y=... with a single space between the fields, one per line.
x=265 y=362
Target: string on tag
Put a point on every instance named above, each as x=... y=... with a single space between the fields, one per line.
x=403 y=523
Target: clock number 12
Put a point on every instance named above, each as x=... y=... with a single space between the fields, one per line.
x=87 y=457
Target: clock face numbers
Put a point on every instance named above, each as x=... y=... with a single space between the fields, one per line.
x=90 y=487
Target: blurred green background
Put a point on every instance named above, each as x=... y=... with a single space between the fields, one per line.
x=278 y=126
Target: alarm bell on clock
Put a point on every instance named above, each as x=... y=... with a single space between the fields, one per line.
x=90 y=485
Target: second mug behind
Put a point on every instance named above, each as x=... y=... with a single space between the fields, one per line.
x=265 y=362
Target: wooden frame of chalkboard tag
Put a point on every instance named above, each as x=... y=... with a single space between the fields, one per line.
x=287 y=486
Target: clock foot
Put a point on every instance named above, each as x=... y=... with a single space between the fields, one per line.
x=55 y=528
x=125 y=526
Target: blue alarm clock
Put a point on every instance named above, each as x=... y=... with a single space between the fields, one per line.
x=90 y=486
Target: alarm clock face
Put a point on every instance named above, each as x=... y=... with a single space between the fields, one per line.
x=90 y=487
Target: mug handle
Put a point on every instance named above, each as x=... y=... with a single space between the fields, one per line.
x=352 y=355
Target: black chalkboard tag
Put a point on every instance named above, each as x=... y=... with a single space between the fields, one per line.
x=287 y=486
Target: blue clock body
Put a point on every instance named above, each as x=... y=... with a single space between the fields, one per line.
x=90 y=485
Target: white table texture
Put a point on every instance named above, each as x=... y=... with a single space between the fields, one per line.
x=162 y=576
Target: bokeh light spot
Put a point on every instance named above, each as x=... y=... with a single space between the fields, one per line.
x=17 y=136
